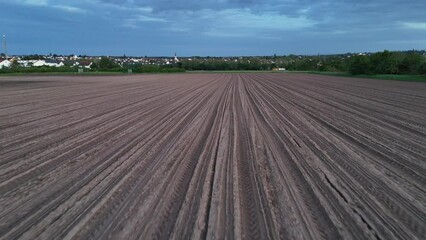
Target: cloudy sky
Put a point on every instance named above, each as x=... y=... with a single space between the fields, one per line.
x=211 y=27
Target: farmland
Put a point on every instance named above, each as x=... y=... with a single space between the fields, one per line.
x=215 y=156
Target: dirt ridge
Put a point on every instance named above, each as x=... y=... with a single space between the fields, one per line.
x=212 y=156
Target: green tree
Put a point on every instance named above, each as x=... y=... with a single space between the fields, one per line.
x=422 y=68
x=411 y=63
x=359 y=64
x=14 y=64
x=94 y=65
x=106 y=64
x=384 y=63
x=179 y=64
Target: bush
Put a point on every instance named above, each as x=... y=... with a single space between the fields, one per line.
x=106 y=64
x=422 y=68
x=410 y=64
x=359 y=65
x=42 y=69
x=384 y=63
x=157 y=69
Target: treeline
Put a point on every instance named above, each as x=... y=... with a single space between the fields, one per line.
x=387 y=62
x=218 y=64
x=157 y=69
x=107 y=64
x=43 y=69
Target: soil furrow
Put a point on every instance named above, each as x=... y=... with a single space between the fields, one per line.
x=212 y=156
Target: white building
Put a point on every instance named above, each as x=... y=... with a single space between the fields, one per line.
x=5 y=64
x=26 y=63
x=48 y=62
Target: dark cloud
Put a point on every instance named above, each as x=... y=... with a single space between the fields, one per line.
x=213 y=27
x=344 y=10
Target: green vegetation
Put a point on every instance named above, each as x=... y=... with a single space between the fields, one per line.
x=60 y=73
x=156 y=69
x=106 y=64
x=381 y=65
x=44 y=69
x=109 y=65
x=386 y=62
x=219 y=64
x=359 y=65
x=233 y=71
x=408 y=78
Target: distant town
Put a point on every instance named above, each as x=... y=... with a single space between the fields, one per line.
x=386 y=62
x=82 y=61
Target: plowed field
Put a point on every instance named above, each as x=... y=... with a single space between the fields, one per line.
x=212 y=156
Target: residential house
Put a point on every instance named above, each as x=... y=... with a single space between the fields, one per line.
x=82 y=64
x=48 y=62
x=5 y=64
x=26 y=63
x=86 y=64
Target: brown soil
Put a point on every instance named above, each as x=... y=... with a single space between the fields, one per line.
x=215 y=156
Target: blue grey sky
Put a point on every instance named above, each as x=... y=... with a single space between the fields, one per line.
x=211 y=27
